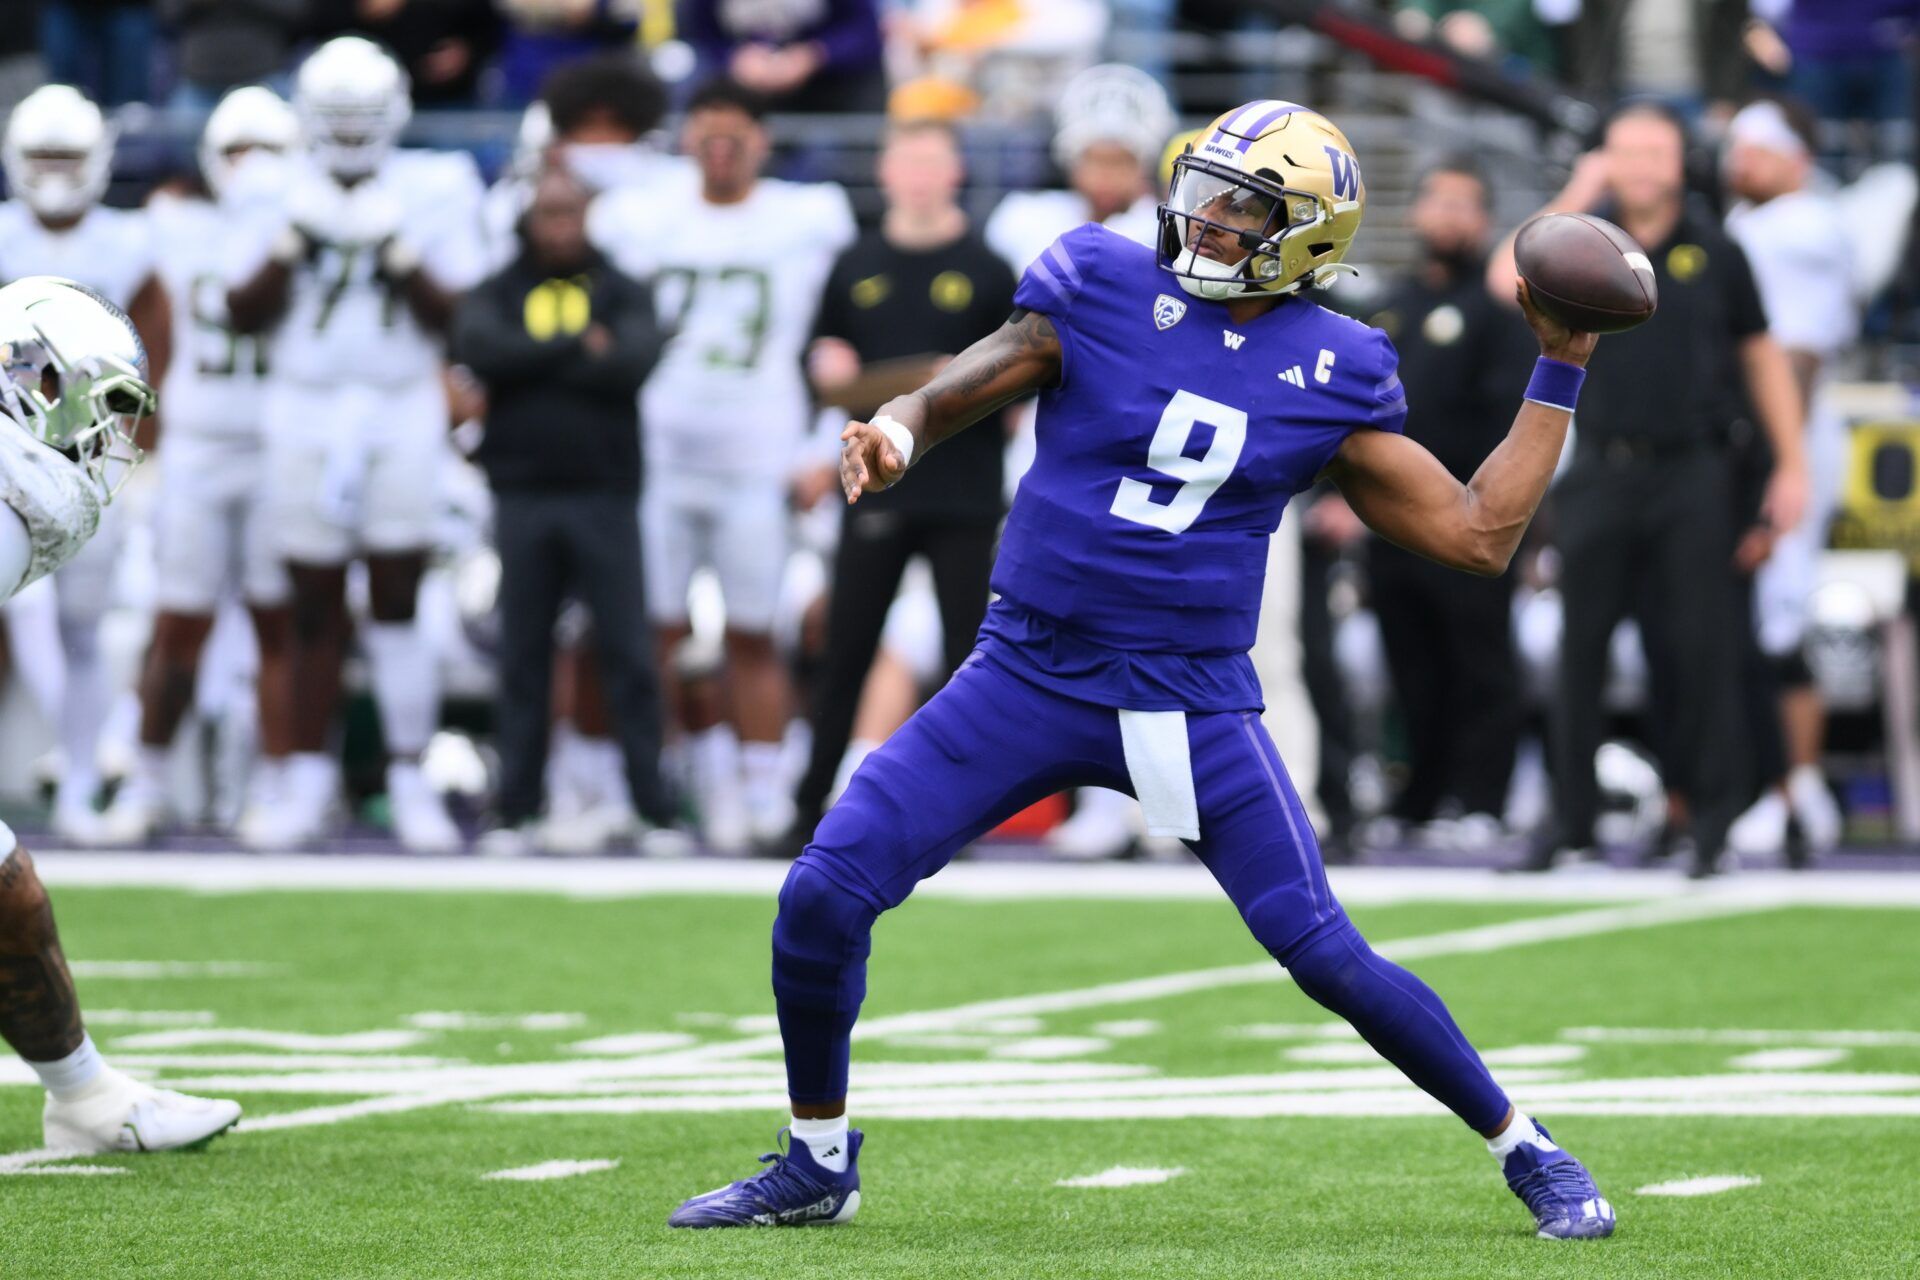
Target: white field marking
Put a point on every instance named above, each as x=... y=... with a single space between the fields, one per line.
x=1709 y=1186
x=639 y=1042
x=627 y=877
x=1333 y=1051
x=385 y=1105
x=293 y=1041
x=44 y=1161
x=1788 y=1059
x=1047 y=1047
x=1743 y=1036
x=755 y=1023
x=149 y=1017
x=444 y=1021
x=548 y=1170
x=1478 y=940
x=1127 y=1028
x=1519 y=1055
x=150 y=1062
x=702 y=1019
x=1122 y=1175
x=1295 y=1031
x=137 y=970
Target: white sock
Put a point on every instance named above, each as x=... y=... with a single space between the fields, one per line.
x=760 y=768
x=826 y=1139
x=713 y=758
x=1522 y=1130
x=150 y=766
x=84 y=704
x=607 y=770
x=406 y=684
x=69 y=1077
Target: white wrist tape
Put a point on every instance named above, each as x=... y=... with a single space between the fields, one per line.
x=901 y=437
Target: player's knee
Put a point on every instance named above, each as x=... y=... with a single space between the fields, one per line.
x=1327 y=962
x=392 y=595
x=820 y=941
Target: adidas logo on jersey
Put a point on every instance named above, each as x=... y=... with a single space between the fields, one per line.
x=1294 y=376
x=1233 y=339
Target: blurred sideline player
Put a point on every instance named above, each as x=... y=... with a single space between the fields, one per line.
x=210 y=522
x=366 y=250
x=1129 y=583
x=73 y=382
x=737 y=266
x=58 y=157
x=1111 y=125
x=1794 y=235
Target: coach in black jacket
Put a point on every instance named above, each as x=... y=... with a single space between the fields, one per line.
x=562 y=341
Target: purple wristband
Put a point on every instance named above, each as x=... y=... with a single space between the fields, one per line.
x=1555 y=383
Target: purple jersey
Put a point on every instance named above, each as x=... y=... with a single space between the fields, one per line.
x=1131 y=567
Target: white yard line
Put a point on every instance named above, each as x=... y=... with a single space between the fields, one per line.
x=629 y=877
x=46 y=1160
x=1711 y=1186
x=1743 y=1036
x=292 y=1041
x=548 y=1170
x=1122 y=1175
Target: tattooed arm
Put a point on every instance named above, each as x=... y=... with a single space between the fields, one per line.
x=39 y=1013
x=1020 y=357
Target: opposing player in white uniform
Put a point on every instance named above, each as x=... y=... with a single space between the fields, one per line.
x=366 y=250
x=58 y=155
x=738 y=265
x=1110 y=125
x=1795 y=235
x=210 y=532
x=73 y=381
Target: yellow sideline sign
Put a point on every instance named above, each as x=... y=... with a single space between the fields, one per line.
x=1880 y=501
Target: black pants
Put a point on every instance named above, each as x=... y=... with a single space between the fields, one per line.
x=552 y=546
x=1449 y=643
x=874 y=549
x=1652 y=538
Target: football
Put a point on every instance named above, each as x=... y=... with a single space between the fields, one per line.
x=1585 y=272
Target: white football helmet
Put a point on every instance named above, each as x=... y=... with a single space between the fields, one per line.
x=58 y=152
x=73 y=372
x=249 y=118
x=352 y=101
x=1112 y=103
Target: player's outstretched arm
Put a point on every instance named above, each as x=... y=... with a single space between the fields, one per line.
x=1017 y=359
x=1403 y=493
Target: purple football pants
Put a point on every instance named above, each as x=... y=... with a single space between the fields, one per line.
x=991 y=743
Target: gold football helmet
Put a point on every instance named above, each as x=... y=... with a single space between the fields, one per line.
x=1263 y=202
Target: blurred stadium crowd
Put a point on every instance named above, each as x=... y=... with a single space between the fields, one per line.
x=493 y=498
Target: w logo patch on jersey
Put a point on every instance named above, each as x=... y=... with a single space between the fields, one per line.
x=1346 y=173
x=1167 y=311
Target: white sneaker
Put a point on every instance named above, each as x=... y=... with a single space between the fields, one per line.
x=1101 y=827
x=294 y=806
x=588 y=832
x=723 y=824
x=136 y=814
x=122 y=1114
x=74 y=819
x=420 y=820
x=1812 y=803
x=508 y=842
x=266 y=783
x=771 y=817
x=1761 y=832
x=663 y=842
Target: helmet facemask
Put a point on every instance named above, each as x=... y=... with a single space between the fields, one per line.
x=86 y=409
x=1209 y=201
x=61 y=184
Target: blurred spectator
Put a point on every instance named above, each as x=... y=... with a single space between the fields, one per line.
x=1448 y=638
x=1794 y=233
x=1850 y=60
x=801 y=55
x=1005 y=58
x=562 y=341
x=1483 y=29
x=1685 y=52
x=1644 y=516
x=898 y=303
x=104 y=47
x=542 y=35
x=220 y=44
x=442 y=43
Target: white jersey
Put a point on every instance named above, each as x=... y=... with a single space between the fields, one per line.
x=1803 y=265
x=343 y=323
x=1023 y=224
x=739 y=285
x=214 y=380
x=108 y=250
x=53 y=497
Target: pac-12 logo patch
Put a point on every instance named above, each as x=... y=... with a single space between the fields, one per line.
x=1167 y=311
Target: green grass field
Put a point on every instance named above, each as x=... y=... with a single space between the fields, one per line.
x=393 y=1048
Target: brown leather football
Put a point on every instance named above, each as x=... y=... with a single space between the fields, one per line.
x=1585 y=272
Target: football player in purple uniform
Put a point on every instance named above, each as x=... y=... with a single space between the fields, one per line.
x=1173 y=428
